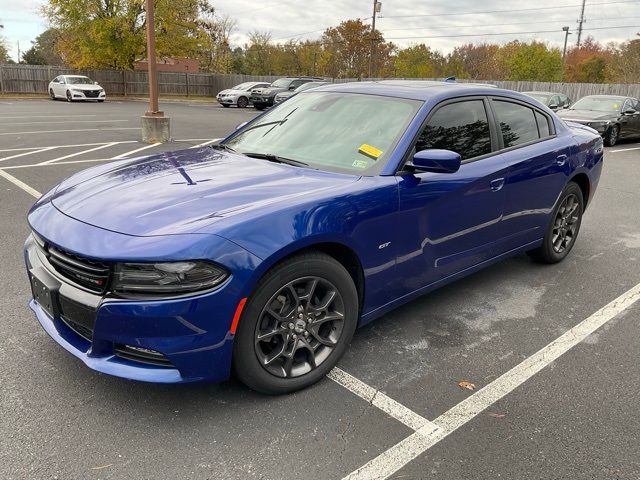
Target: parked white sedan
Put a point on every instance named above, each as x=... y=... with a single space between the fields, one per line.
x=76 y=87
x=239 y=95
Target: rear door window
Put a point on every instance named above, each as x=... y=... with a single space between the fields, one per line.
x=543 y=125
x=461 y=127
x=517 y=123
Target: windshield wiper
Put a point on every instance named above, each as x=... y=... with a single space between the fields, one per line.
x=222 y=146
x=276 y=158
x=253 y=127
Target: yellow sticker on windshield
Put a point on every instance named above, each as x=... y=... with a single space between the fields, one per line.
x=370 y=151
x=616 y=106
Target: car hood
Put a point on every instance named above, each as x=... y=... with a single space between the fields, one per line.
x=186 y=191
x=586 y=115
x=268 y=90
x=84 y=86
x=230 y=90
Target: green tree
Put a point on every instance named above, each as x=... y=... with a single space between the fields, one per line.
x=418 y=61
x=44 y=50
x=625 y=62
x=4 y=51
x=480 y=62
x=531 y=61
x=110 y=33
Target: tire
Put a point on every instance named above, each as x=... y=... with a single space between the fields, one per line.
x=226 y=105
x=52 y=95
x=611 y=136
x=259 y=107
x=316 y=343
x=100 y=101
x=563 y=228
x=69 y=97
x=243 y=102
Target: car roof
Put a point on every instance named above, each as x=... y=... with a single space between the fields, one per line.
x=544 y=93
x=416 y=89
x=612 y=97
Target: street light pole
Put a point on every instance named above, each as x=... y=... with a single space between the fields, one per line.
x=155 y=126
x=564 y=49
x=377 y=7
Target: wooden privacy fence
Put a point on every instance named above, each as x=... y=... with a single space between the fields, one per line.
x=35 y=79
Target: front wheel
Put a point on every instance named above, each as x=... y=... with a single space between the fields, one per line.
x=563 y=229
x=69 y=97
x=296 y=326
x=52 y=95
x=243 y=102
x=611 y=136
x=259 y=107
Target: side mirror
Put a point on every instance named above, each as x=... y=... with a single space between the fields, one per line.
x=95 y=83
x=239 y=126
x=292 y=88
x=554 y=106
x=436 y=161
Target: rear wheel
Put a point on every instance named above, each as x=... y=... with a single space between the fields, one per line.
x=564 y=227
x=243 y=102
x=611 y=136
x=296 y=325
x=259 y=106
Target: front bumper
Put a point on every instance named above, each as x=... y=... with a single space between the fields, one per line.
x=600 y=127
x=227 y=100
x=262 y=101
x=83 y=95
x=178 y=340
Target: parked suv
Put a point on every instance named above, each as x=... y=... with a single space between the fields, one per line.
x=264 y=97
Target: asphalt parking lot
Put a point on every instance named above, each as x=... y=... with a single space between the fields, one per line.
x=552 y=352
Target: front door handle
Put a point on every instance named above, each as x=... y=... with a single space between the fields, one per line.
x=561 y=160
x=497 y=184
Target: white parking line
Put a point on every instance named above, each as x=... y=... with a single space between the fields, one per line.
x=35 y=115
x=57 y=122
x=624 y=150
x=396 y=457
x=32 y=165
x=31 y=152
x=21 y=184
x=65 y=131
x=64 y=146
x=375 y=397
x=207 y=143
x=76 y=154
x=124 y=155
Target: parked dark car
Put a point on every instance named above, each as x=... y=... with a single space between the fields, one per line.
x=264 y=97
x=282 y=96
x=555 y=101
x=265 y=252
x=614 y=117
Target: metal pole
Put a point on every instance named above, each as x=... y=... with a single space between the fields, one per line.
x=564 y=49
x=154 y=108
x=373 y=29
x=581 y=20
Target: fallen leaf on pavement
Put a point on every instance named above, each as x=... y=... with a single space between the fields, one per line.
x=496 y=415
x=103 y=466
x=467 y=385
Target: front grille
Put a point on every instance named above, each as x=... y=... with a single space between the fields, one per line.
x=92 y=93
x=88 y=273
x=78 y=317
x=142 y=355
x=81 y=330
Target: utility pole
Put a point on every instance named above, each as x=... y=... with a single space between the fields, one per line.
x=564 y=49
x=18 y=52
x=377 y=8
x=581 y=20
x=155 y=126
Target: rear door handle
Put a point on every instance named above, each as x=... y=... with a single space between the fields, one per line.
x=497 y=184
x=561 y=160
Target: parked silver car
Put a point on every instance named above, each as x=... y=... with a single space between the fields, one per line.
x=553 y=100
x=238 y=95
x=282 y=96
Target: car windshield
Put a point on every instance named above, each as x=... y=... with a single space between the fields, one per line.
x=541 y=97
x=341 y=132
x=307 y=86
x=243 y=86
x=599 y=104
x=79 y=80
x=282 y=83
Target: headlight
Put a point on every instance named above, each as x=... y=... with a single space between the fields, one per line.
x=75 y=90
x=167 y=278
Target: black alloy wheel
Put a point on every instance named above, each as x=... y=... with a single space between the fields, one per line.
x=611 y=136
x=296 y=325
x=564 y=227
x=243 y=102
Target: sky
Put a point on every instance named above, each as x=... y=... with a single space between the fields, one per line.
x=404 y=22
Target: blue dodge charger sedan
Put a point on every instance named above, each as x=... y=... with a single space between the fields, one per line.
x=261 y=255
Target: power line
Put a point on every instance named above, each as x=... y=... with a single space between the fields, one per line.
x=507 y=33
x=507 y=11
